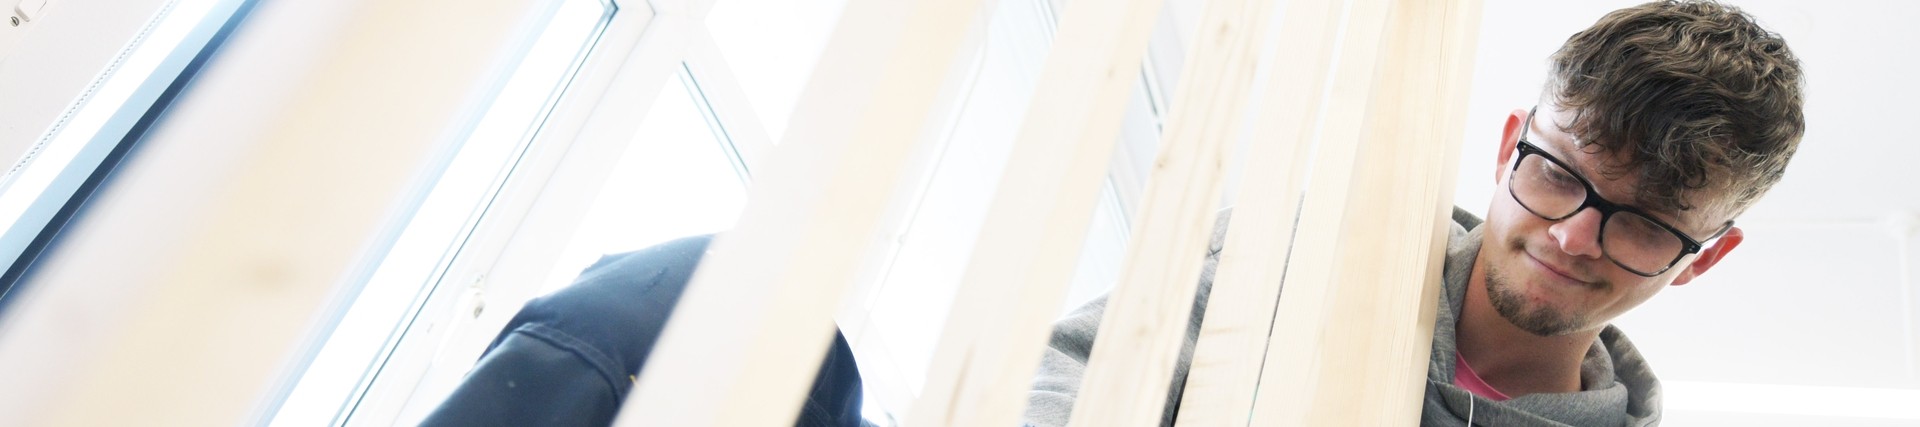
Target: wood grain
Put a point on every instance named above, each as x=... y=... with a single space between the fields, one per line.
x=1145 y=324
x=1350 y=342
x=1225 y=369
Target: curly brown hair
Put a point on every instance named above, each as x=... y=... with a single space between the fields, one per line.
x=1697 y=94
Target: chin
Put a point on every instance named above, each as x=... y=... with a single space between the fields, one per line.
x=1526 y=303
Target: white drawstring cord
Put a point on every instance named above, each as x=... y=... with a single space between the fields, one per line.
x=1470 y=400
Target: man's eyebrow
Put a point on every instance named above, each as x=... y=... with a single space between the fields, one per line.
x=1666 y=216
x=1632 y=199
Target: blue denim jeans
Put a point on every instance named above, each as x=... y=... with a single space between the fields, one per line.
x=569 y=359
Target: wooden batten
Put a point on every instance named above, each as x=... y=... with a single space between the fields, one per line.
x=1145 y=323
x=1351 y=341
x=748 y=335
x=1226 y=365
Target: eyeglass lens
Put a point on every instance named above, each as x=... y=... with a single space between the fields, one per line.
x=1633 y=241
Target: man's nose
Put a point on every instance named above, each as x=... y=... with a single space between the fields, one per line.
x=1578 y=235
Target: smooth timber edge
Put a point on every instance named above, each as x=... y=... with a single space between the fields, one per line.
x=748 y=335
x=1145 y=324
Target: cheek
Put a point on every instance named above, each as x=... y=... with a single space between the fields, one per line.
x=1507 y=220
x=1633 y=292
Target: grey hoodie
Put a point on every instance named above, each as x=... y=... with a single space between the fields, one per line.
x=1618 y=388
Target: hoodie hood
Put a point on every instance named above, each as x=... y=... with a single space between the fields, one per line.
x=1617 y=386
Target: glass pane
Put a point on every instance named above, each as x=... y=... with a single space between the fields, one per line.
x=353 y=351
x=1101 y=255
x=901 y=315
x=771 y=46
x=908 y=305
x=677 y=179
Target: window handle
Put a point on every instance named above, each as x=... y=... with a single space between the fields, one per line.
x=26 y=11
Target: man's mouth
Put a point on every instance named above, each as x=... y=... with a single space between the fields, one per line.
x=1560 y=274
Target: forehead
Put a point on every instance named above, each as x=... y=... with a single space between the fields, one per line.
x=1547 y=130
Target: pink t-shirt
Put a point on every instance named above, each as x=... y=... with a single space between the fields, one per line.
x=1464 y=377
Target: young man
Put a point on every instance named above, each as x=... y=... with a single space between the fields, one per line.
x=1658 y=126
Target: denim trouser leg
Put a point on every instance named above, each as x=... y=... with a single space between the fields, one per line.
x=569 y=359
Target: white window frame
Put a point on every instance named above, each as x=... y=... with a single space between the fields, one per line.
x=583 y=137
x=492 y=149
x=517 y=243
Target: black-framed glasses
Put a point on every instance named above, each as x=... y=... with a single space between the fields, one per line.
x=1629 y=237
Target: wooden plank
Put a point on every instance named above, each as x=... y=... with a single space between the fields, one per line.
x=1145 y=324
x=1309 y=260
x=1350 y=343
x=1225 y=369
x=1029 y=243
x=260 y=192
x=749 y=333
x=1458 y=46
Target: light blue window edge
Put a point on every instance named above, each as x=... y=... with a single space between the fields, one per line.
x=39 y=212
x=271 y=404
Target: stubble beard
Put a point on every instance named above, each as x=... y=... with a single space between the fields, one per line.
x=1538 y=319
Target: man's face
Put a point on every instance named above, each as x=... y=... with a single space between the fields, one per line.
x=1552 y=277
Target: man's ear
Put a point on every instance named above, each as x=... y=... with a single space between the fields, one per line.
x=1509 y=138
x=1710 y=256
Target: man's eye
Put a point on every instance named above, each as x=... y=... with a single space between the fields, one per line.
x=1557 y=175
x=1562 y=177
